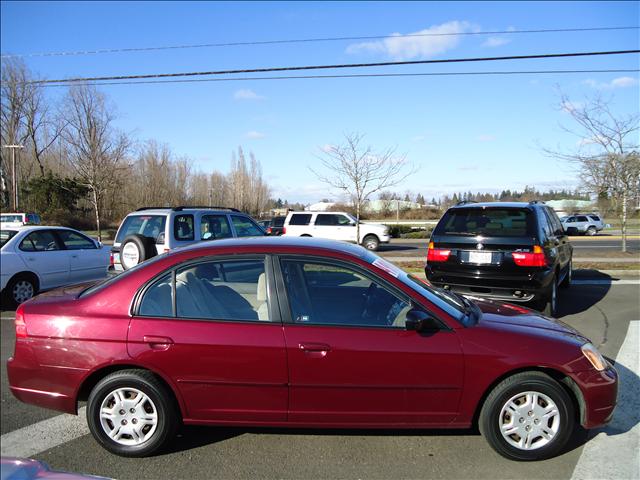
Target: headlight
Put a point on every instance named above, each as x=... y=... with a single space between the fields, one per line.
x=594 y=356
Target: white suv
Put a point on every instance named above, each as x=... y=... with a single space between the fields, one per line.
x=336 y=226
x=150 y=231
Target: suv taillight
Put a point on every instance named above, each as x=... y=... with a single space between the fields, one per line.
x=284 y=230
x=21 y=326
x=533 y=259
x=268 y=230
x=111 y=260
x=437 y=254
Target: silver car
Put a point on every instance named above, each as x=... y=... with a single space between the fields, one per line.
x=589 y=224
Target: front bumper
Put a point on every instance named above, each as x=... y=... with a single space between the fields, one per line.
x=599 y=395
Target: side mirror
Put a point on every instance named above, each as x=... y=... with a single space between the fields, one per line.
x=98 y=244
x=419 y=320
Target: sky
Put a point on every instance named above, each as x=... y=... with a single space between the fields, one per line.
x=461 y=133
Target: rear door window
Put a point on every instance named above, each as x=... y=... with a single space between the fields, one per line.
x=213 y=227
x=326 y=219
x=147 y=225
x=492 y=222
x=183 y=228
x=583 y=218
x=300 y=219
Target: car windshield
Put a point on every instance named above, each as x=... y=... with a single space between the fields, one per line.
x=5 y=236
x=492 y=222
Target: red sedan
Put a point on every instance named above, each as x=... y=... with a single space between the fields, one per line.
x=302 y=333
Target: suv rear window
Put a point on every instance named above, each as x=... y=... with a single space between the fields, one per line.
x=300 y=219
x=493 y=222
x=278 y=221
x=595 y=218
x=147 y=225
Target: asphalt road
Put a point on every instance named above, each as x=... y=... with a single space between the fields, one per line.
x=583 y=247
x=602 y=311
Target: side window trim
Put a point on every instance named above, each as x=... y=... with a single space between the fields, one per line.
x=272 y=297
x=283 y=297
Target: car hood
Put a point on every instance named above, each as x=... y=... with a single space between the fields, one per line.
x=508 y=314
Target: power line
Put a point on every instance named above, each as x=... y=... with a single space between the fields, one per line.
x=308 y=40
x=355 y=75
x=330 y=67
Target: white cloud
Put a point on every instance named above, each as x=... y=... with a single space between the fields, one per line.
x=493 y=42
x=620 y=82
x=255 y=135
x=247 y=94
x=485 y=138
x=402 y=47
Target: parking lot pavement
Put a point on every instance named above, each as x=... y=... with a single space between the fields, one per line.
x=602 y=311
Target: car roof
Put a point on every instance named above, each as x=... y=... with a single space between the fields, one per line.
x=496 y=205
x=164 y=211
x=23 y=228
x=282 y=242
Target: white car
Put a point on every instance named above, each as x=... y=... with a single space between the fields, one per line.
x=335 y=226
x=12 y=220
x=34 y=259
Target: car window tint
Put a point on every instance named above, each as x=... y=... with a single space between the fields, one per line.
x=557 y=224
x=147 y=225
x=6 y=235
x=595 y=217
x=213 y=227
x=183 y=227
x=343 y=220
x=328 y=294
x=158 y=299
x=245 y=227
x=325 y=219
x=39 y=241
x=12 y=218
x=492 y=222
x=547 y=224
x=278 y=221
x=300 y=219
x=224 y=290
x=75 y=241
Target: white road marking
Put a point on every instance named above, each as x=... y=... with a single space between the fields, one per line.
x=612 y=282
x=614 y=453
x=28 y=441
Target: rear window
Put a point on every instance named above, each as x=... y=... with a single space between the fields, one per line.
x=595 y=218
x=147 y=225
x=300 y=219
x=5 y=236
x=492 y=222
x=278 y=221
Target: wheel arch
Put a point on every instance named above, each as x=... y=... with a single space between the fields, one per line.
x=569 y=385
x=91 y=380
x=27 y=273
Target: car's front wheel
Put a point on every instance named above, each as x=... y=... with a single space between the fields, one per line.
x=528 y=416
x=371 y=242
x=131 y=413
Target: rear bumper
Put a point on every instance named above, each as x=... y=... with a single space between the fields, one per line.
x=521 y=288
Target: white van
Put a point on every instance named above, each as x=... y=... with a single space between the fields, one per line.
x=335 y=226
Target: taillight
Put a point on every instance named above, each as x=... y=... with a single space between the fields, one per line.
x=284 y=230
x=530 y=259
x=268 y=230
x=21 y=326
x=111 y=260
x=437 y=254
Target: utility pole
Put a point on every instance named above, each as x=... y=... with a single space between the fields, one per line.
x=14 y=179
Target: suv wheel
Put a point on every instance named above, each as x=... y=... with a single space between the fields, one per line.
x=566 y=281
x=550 y=302
x=527 y=416
x=136 y=249
x=591 y=231
x=371 y=242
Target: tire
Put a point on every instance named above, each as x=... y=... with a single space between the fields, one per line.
x=530 y=396
x=568 y=278
x=591 y=231
x=20 y=288
x=371 y=242
x=150 y=436
x=305 y=235
x=136 y=249
x=549 y=306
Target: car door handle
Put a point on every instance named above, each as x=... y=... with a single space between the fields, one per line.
x=318 y=350
x=157 y=342
x=74 y=256
x=31 y=259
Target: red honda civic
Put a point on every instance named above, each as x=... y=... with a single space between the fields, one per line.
x=301 y=332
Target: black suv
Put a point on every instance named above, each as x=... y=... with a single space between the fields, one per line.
x=512 y=252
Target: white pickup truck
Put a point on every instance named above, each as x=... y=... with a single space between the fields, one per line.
x=335 y=226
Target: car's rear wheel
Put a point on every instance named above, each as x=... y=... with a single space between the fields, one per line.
x=371 y=242
x=528 y=416
x=566 y=281
x=591 y=231
x=549 y=305
x=131 y=413
x=20 y=288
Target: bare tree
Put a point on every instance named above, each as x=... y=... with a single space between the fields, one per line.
x=96 y=151
x=606 y=158
x=359 y=172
